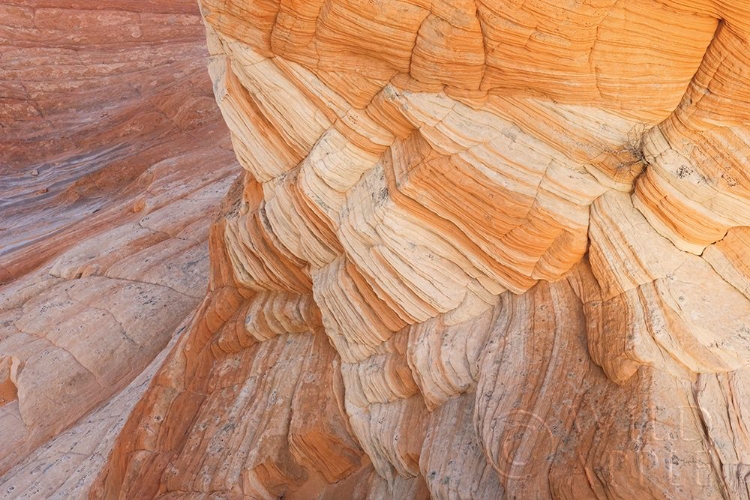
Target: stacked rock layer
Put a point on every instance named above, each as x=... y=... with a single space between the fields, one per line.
x=114 y=160
x=481 y=249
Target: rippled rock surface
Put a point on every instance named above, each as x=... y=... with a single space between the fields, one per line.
x=479 y=249
x=113 y=164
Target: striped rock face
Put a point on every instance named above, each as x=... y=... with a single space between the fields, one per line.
x=480 y=249
x=114 y=160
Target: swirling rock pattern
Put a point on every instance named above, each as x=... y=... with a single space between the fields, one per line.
x=113 y=163
x=523 y=228
x=480 y=249
x=520 y=225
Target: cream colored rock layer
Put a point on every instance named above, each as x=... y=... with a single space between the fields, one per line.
x=521 y=227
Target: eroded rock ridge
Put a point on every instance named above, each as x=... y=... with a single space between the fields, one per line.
x=480 y=249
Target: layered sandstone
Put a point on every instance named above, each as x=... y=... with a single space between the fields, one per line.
x=113 y=163
x=480 y=249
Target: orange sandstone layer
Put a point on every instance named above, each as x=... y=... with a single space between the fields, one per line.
x=480 y=249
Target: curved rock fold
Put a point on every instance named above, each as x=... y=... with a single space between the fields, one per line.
x=479 y=249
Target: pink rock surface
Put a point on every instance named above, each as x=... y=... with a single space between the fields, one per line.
x=114 y=160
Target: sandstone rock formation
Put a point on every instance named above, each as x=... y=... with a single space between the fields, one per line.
x=113 y=163
x=480 y=249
